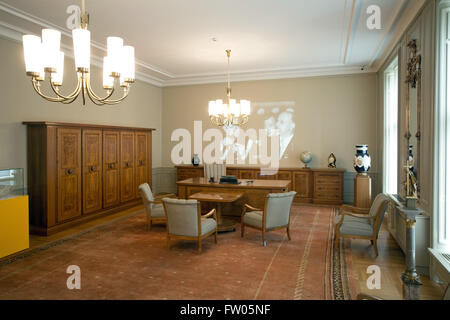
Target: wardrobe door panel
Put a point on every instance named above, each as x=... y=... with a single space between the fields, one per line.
x=127 y=166
x=92 y=170
x=111 y=171
x=69 y=173
x=141 y=160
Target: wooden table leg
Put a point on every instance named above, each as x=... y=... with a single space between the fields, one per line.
x=224 y=224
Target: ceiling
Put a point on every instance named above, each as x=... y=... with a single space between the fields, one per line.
x=269 y=39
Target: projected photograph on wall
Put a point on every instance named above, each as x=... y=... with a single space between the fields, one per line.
x=277 y=118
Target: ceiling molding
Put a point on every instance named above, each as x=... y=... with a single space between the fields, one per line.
x=352 y=25
x=408 y=11
x=267 y=75
x=153 y=75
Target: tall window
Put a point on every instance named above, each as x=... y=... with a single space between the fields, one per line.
x=441 y=212
x=390 y=128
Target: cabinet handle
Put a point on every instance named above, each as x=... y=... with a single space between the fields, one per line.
x=69 y=171
x=91 y=168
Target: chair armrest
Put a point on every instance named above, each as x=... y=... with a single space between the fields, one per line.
x=345 y=213
x=156 y=202
x=247 y=206
x=353 y=209
x=252 y=208
x=169 y=195
x=365 y=296
x=209 y=214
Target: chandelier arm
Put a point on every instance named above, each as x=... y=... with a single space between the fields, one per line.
x=38 y=91
x=71 y=96
x=96 y=97
x=95 y=101
x=116 y=101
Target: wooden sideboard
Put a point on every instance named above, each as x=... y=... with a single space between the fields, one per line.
x=321 y=186
x=77 y=172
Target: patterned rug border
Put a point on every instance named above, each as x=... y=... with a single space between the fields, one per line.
x=338 y=271
x=58 y=242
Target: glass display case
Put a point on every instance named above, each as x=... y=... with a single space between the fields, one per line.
x=11 y=183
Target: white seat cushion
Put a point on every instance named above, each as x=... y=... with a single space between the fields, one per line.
x=254 y=218
x=208 y=225
x=158 y=211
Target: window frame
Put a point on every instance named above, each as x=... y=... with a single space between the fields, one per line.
x=392 y=169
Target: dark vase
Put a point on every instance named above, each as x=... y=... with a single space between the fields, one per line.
x=362 y=160
x=195 y=160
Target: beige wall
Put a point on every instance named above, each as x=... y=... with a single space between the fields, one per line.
x=332 y=114
x=19 y=103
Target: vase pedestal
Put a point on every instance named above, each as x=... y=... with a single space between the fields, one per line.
x=363 y=191
x=362 y=195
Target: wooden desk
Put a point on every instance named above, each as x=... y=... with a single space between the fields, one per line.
x=223 y=224
x=253 y=194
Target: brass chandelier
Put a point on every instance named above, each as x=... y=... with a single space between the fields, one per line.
x=232 y=113
x=45 y=57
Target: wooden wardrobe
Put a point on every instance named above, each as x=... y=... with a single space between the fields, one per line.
x=77 y=172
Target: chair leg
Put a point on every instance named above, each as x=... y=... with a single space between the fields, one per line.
x=263 y=239
x=242 y=229
x=200 y=245
x=149 y=224
x=215 y=236
x=374 y=242
x=288 y=234
x=168 y=242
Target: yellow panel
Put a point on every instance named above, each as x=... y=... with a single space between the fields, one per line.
x=14 y=234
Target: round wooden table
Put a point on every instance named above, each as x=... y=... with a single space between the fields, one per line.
x=223 y=224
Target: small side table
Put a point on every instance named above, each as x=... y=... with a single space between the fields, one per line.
x=223 y=224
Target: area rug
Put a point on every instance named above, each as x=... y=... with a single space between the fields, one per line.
x=122 y=260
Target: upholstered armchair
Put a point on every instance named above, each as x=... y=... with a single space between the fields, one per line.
x=214 y=170
x=348 y=225
x=274 y=216
x=185 y=221
x=153 y=208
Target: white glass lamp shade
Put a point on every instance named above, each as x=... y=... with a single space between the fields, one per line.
x=82 y=48
x=108 y=81
x=122 y=81
x=57 y=77
x=235 y=108
x=32 y=53
x=51 y=40
x=128 y=67
x=115 y=53
x=212 y=108
x=218 y=109
x=245 y=107
x=41 y=76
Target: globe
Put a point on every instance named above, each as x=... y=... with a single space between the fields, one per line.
x=306 y=158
